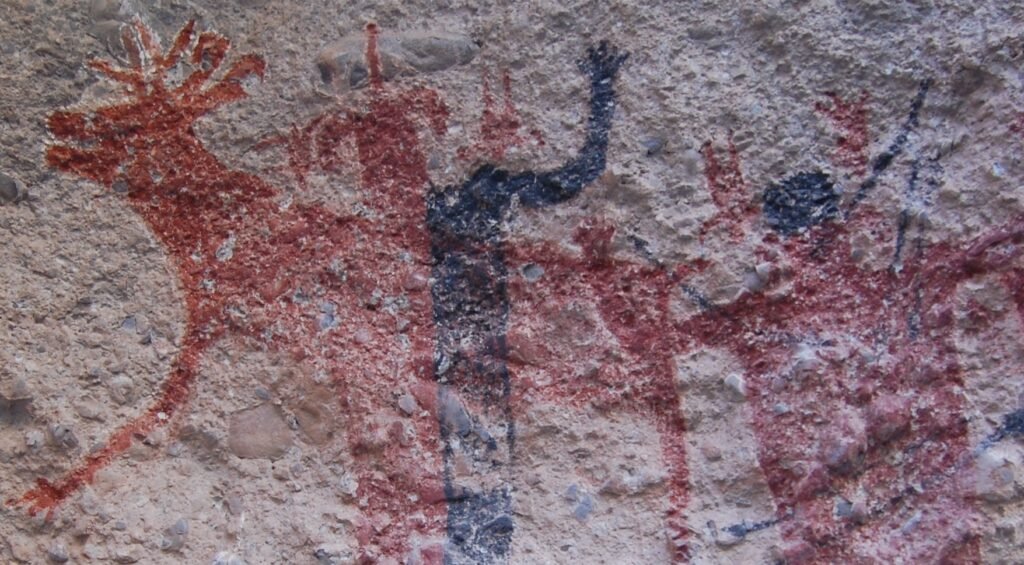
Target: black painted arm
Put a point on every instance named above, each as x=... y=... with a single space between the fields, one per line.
x=540 y=189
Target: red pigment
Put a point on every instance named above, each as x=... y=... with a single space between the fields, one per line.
x=728 y=192
x=256 y=269
x=386 y=139
x=591 y=333
x=846 y=368
x=1018 y=124
x=862 y=360
x=850 y=119
x=499 y=129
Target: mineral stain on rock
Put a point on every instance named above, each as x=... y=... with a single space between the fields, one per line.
x=260 y=432
x=15 y=411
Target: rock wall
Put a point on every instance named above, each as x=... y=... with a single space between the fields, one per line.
x=462 y=282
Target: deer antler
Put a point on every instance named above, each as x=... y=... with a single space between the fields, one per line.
x=113 y=129
x=139 y=44
x=209 y=53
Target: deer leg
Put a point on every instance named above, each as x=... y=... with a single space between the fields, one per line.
x=672 y=433
x=47 y=496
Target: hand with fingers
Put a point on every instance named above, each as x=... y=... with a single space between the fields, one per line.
x=602 y=63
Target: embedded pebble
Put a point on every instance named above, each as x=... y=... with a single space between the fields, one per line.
x=653 y=145
x=57 y=553
x=343 y=66
x=34 y=439
x=736 y=385
x=94 y=552
x=227 y=558
x=15 y=411
x=89 y=409
x=533 y=272
x=174 y=536
x=10 y=189
x=235 y=505
x=63 y=437
x=124 y=555
x=407 y=404
x=122 y=389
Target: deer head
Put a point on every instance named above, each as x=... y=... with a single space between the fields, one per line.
x=156 y=119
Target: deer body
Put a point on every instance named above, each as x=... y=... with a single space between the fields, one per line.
x=347 y=295
x=298 y=279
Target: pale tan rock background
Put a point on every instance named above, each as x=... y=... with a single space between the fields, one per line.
x=91 y=316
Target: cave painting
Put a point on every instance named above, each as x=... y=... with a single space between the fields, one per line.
x=481 y=325
x=283 y=277
x=850 y=371
x=255 y=269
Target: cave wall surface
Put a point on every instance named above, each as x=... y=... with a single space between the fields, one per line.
x=511 y=282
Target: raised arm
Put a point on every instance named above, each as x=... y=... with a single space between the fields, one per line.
x=540 y=189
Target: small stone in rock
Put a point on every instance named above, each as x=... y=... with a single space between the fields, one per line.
x=226 y=558
x=34 y=439
x=235 y=505
x=89 y=409
x=407 y=404
x=122 y=555
x=122 y=389
x=584 y=508
x=94 y=552
x=63 y=437
x=259 y=433
x=653 y=145
x=10 y=189
x=174 y=537
x=58 y=554
x=736 y=385
x=15 y=411
x=533 y=272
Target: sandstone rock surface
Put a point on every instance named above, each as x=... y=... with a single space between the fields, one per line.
x=511 y=282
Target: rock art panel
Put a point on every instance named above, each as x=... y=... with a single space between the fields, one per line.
x=519 y=337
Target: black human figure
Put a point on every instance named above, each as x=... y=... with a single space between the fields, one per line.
x=471 y=310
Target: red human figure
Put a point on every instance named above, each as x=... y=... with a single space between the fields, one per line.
x=393 y=175
x=499 y=130
x=300 y=279
x=851 y=371
x=616 y=315
x=393 y=166
x=850 y=119
x=835 y=399
x=456 y=229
